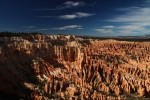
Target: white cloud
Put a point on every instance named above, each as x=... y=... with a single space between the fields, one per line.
x=34 y=28
x=140 y=15
x=71 y=16
x=76 y=15
x=65 y=5
x=128 y=8
x=67 y=17
x=127 y=29
x=69 y=27
x=70 y=4
x=131 y=27
x=104 y=30
x=135 y=20
x=109 y=27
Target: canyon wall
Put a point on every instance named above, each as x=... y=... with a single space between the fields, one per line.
x=42 y=67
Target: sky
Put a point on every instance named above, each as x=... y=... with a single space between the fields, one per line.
x=77 y=17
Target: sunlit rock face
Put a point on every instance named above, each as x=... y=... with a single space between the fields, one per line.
x=43 y=67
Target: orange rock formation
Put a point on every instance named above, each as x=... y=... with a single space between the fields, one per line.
x=42 y=67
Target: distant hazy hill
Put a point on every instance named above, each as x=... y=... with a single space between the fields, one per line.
x=120 y=38
x=19 y=34
x=148 y=35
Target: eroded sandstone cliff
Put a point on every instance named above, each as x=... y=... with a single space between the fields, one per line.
x=43 y=67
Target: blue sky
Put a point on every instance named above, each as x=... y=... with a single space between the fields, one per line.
x=79 y=17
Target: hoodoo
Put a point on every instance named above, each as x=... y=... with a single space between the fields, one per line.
x=69 y=67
